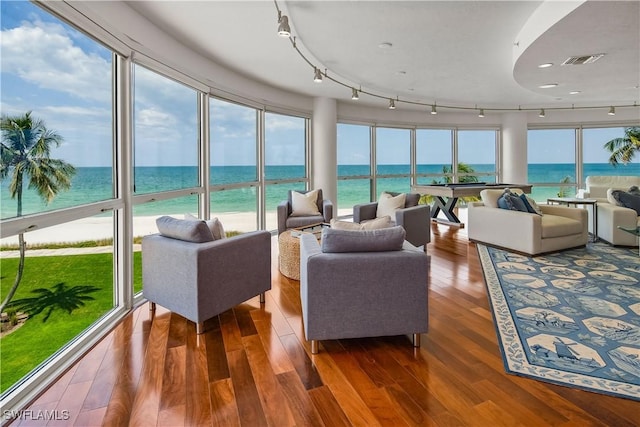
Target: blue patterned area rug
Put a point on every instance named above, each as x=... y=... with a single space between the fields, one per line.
x=571 y=317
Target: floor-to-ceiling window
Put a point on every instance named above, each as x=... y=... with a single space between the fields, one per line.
x=434 y=156
x=393 y=159
x=234 y=165
x=165 y=141
x=354 y=166
x=477 y=155
x=595 y=157
x=551 y=155
x=57 y=189
x=285 y=150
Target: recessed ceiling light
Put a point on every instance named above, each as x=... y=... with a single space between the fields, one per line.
x=546 y=65
x=548 y=85
x=385 y=45
x=574 y=92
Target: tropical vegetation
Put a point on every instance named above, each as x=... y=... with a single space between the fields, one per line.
x=25 y=158
x=624 y=149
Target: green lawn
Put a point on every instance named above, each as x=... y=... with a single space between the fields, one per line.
x=37 y=339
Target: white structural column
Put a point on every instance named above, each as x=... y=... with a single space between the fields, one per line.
x=324 y=148
x=514 y=148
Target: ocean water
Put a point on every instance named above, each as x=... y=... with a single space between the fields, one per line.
x=94 y=184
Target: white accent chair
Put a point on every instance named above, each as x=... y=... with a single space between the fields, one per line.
x=611 y=216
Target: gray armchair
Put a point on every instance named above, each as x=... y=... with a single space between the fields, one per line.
x=359 y=293
x=414 y=218
x=285 y=209
x=201 y=280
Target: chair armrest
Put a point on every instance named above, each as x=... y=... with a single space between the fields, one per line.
x=565 y=211
x=365 y=211
x=283 y=212
x=327 y=210
x=416 y=221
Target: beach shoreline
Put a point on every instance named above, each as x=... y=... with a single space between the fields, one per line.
x=99 y=228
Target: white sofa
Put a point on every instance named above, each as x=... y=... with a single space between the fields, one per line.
x=611 y=216
x=559 y=227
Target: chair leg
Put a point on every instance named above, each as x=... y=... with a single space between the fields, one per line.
x=199 y=328
x=262 y=298
x=152 y=306
x=416 y=340
x=314 y=346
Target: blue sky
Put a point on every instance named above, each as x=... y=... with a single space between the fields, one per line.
x=64 y=77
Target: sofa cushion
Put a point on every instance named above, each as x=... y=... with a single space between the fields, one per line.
x=530 y=204
x=304 y=204
x=372 y=224
x=380 y=240
x=490 y=196
x=559 y=226
x=217 y=230
x=511 y=201
x=388 y=204
x=628 y=199
x=184 y=229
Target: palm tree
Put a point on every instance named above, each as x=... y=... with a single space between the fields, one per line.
x=25 y=155
x=447 y=170
x=623 y=149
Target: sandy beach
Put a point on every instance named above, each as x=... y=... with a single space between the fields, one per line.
x=102 y=228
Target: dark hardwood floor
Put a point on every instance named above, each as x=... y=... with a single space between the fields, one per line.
x=253 y=367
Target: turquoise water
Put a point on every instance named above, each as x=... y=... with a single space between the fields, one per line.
x=94 y=184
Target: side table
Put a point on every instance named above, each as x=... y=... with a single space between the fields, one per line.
x=289 y=255
x=575 y=202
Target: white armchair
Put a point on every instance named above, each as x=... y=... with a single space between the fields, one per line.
x=611 y=216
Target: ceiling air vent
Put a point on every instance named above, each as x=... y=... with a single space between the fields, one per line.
x=580 y=60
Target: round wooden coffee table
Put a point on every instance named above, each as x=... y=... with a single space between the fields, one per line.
x=289 y=255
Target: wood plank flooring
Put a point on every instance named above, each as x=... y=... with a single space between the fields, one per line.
x=253 y=367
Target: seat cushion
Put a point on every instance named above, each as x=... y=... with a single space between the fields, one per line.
x=301 y=221
x=371 y=224
x=559 y=226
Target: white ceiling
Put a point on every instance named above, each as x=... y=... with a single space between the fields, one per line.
x=462 y=53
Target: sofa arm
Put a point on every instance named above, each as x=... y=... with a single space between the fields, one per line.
x=364 y=211
x=568 y=212
x=416 y=221
x=283 y=211
x=520 y=231
x=327 y=210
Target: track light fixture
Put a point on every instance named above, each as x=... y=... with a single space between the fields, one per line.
x=283 y=25
x=284 y=30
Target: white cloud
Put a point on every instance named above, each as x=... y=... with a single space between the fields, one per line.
x=44 y=54
x=279 y=123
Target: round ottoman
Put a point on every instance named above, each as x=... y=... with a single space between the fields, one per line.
x=289 y=255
